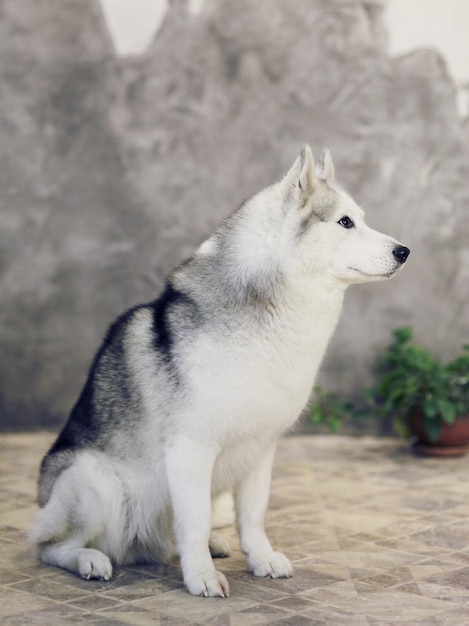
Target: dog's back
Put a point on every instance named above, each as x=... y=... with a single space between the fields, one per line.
x=103 y=406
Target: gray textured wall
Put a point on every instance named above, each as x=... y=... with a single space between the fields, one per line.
x=111 y=171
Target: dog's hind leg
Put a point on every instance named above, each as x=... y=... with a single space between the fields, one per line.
x=83 y=516
x=87 y=562
x=222 y=515
x=219 y=547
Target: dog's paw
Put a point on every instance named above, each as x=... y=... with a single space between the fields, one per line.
x=209 y=584
x=219 y=547
x=94 y=564
x=276 y=565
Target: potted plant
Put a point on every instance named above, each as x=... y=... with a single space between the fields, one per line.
x=423 y=396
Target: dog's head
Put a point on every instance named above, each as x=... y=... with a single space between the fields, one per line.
x=304 y=226
x=329 y=227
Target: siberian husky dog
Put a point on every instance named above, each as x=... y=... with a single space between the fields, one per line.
x=188 y=394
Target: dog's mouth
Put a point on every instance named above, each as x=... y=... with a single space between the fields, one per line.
x=386 y=275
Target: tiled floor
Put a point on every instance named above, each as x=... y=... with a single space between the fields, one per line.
x=376 y=535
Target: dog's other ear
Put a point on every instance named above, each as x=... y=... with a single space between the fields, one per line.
x=325 y=167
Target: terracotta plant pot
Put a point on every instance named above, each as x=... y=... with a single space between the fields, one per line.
x=453 y=439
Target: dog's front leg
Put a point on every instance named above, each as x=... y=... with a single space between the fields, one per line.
x=251 y=499
x=189 y=466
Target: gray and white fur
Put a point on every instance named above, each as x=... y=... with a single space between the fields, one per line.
x=188 y=394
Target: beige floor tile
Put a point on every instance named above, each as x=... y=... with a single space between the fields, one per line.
x=13 y=602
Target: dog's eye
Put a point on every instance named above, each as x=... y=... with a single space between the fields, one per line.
x=346 y=222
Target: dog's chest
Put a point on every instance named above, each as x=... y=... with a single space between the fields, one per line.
x=256 y=384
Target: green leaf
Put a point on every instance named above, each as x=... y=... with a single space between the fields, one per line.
x=403 y=334
x=334 y=423
x=432 y=429
x=447 y=410
x=430 y=407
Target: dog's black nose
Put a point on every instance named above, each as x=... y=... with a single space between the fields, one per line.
x=401 y=253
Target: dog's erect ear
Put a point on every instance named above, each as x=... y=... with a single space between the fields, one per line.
x=325 y=167
x=306 y=170
x=300 y=177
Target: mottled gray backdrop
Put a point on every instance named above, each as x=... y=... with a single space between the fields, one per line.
x=111 y=171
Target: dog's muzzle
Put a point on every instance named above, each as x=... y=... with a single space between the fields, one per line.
x=401 y=253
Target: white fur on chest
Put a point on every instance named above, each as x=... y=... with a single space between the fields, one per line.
x=257 y=384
